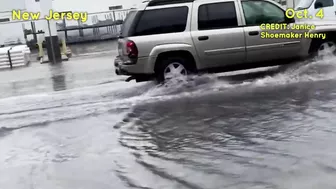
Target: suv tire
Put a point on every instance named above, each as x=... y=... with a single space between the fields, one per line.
x=171 y=68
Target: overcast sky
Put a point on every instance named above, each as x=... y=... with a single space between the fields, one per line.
x=67 y=5
x=91 y=5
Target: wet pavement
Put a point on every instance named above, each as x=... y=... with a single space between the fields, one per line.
x=77 y=125
x=95 y=48
x=83 y=69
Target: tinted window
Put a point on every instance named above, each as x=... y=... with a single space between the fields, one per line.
x=323 y=3
x=159 y=21
x=126 y=26
x=217 y=16
x=260 y=12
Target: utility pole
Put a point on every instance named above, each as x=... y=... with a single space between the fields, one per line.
x=50 y=29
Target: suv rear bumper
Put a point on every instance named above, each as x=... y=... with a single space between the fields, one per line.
x=140 y=70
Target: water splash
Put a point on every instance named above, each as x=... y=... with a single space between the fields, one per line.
x=307 y=71
x=42 y=109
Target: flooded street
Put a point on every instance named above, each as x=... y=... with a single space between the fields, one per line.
x=77 y=125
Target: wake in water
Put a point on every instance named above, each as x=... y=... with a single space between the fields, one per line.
x=197 y=86
x=43 y=109
x=177 y=142
x=316 y=70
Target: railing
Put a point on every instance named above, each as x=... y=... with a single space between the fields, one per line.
x=14 y=56
x=99 y=26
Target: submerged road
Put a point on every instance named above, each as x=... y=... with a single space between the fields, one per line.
x=77 y=125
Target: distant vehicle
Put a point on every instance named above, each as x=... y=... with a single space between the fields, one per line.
x=313 y=6
x=163 y=39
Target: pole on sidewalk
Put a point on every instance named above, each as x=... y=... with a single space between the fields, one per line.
x=50 y=29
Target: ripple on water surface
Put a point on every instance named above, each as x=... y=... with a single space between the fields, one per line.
x=270 y=132
x=273 y=131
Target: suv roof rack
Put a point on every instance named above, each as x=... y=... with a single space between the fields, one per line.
x=167 y=2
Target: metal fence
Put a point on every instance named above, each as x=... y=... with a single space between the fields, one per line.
x=19 y=37
x=99 y=26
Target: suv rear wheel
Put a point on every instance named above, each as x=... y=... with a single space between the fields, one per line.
x=172 y=68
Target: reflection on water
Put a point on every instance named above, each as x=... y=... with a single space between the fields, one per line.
x=58 y=82
x=243 y=139
x=92 y=48
x=269 y=131
x=58 y=76
x=14 y=88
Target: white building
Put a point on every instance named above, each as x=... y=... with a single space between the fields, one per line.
x=9 y=31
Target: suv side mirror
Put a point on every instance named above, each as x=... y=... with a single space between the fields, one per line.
x=318 y=5
x=289 y=20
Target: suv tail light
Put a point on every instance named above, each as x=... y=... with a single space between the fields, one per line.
x=131 y=49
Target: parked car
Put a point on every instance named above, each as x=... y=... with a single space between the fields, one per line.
x=314 y=6
x=163 y=39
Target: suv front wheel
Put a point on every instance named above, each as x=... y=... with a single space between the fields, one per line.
x=327 y=48
x=172 y=68
x=323 y=48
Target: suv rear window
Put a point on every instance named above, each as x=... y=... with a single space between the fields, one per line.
x=217 y=16
x=160 y=21
x=126 y=26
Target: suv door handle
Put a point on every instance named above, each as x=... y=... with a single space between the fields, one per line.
x=253 y=33
x=203 y=38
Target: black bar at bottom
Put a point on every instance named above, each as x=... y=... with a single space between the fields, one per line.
x=52 y=44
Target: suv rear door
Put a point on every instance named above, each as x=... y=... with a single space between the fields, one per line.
x=257 y=12
x=216 y=35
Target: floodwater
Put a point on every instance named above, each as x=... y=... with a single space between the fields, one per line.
x=79 y=126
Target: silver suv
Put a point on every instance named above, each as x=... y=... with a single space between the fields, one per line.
x=163 y=39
